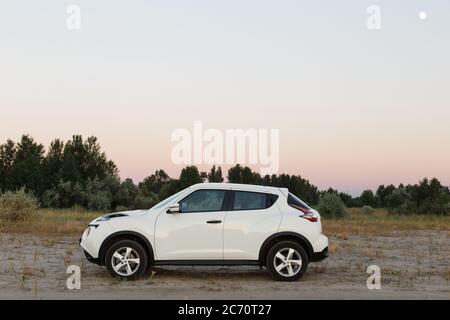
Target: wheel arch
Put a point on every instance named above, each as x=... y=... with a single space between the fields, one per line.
x=125 y=235
x=284 y=236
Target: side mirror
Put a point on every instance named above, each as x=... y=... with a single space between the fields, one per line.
x=174 y=208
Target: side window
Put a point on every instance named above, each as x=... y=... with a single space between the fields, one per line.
x=203 y=201
x=295 y=202
x=244 y=200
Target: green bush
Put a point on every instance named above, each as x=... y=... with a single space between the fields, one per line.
x=96 y=195
x=331 y=206
x=439 y=205
x=367 y=210
x=400 y=202
x=64 y=195
x=145 y=201
x=99 y=201
x=17 y=205
x=121 y=208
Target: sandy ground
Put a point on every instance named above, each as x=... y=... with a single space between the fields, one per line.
x=414 y=265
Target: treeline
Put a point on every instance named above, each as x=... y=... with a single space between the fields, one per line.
x=428 y=196
x=78 y=173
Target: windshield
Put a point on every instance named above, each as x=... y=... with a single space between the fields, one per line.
x=168 y=200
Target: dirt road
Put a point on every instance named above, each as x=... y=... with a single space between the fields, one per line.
x=414 y=265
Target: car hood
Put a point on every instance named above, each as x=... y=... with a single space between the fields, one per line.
x=131 y=213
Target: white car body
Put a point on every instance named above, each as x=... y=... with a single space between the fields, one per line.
x=213 y=237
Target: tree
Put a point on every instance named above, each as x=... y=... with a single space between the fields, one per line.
x=383 y=192
x=52 y=163
x=145 y=201
x=347 y=199
x=302 y=188
x=430 y=196
x=283 y=180
x=127 y=194
x=78 y=173
x=266 y=180
x=64 y=195
x=245 y=175
x=7 y=157
x=189 y=176
x=330 y=205
x=399 y=201
x=235 y=174
x=154 y=182
x=83 y=160
x=295 y=183
x=367 y=198
x=215 y=175
x=27 y=166
x=168 y=189
x=250 y=177
x=96 y=196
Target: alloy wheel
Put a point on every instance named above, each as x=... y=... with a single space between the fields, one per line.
x=287 y=262
x=125 y=261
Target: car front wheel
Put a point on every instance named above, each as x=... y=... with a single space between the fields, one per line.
x=287 y=261
x=126 y=259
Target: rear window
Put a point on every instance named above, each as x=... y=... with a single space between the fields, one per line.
x=294 y=201
x=244 y=200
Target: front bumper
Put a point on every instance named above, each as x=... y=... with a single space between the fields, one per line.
x=88 y=256
x=319 y=256
x=91 y=241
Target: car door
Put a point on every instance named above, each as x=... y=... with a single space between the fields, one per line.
x=253 y=217
x=196 y=232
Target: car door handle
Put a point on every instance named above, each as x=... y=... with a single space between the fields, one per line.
x=214 y=221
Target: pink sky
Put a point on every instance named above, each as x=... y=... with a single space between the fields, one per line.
x=355 y=108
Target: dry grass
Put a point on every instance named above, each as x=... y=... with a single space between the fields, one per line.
x=381 y=222
x=27 y=271
x=52 y=222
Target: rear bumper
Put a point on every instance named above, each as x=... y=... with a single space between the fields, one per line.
x=319 y=256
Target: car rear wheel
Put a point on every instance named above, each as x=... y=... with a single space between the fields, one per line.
x=126 y=259
x=287 y=261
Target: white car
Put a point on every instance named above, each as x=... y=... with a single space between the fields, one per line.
x=211 y=224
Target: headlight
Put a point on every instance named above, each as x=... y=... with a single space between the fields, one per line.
x=86 y=232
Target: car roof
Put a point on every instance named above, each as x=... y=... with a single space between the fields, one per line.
x=238 y=186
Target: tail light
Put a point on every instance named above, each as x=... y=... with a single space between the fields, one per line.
x=307 y=214
x=310 y=216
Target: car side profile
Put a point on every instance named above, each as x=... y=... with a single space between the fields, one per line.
x=211 y=224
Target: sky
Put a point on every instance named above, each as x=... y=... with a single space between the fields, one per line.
x=355 y=107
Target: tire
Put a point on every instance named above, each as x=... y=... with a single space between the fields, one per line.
x=126 y=259
x=277 y=257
